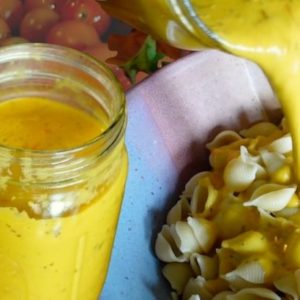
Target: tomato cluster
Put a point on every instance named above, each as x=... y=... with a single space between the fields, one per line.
x=78 y=24
x=73 y=23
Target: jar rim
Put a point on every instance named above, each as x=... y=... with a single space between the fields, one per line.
x=120 y=116
x=197 y=27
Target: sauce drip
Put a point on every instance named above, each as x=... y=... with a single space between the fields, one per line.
x=268 y=33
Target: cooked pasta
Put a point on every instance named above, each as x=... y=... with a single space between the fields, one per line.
x=178 y=274
x=204 y=265
x=263 y=197
x=235 y=232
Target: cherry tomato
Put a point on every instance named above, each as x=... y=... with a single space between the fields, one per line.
x=31 y=4
x=37 y=23
x=13 y=41
x=11 y=11
x=74 y=34
x=88 y=11
x=102 y=53
x=4 y=29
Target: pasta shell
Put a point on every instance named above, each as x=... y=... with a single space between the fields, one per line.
x=247 y=157
x=179 y=211
x=196 y=286
x=177 y=274
x=282 y=145
x=204 y=198
x=238 y=175
x=254 y=294
x=287 y=212
x=184 y=237
x=165 y=247
x=204 y=231
x=205 y=266
x=288 y=285
x=259 y=129
x=271 y=197
x=247 y=243
x=251 y=271
x=193 y=183
x=223 y=138
x=272 y=161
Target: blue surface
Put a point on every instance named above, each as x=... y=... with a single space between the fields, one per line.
x=134 y=271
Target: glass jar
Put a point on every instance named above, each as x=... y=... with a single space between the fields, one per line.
x=59 y=208
x=176 y=22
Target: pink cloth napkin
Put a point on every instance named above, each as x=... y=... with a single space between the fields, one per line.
x=193 y=99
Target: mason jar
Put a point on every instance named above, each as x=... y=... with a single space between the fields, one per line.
x=177 y=22
x=59 y=208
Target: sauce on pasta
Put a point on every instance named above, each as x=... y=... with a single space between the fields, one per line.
x=268 y=33
x=236 y=227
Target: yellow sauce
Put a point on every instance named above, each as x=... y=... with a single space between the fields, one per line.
x=267 y=32
x=64 y=257
x=40 y=124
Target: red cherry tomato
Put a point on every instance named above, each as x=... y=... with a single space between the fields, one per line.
x=4 y=29
x=11 y=11
x=13 y=41
x=31 y=4
x=102 y=53
x=88 y=11
x=74 y=34
x=37 y=23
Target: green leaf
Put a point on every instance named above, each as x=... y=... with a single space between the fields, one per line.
x=145 y=60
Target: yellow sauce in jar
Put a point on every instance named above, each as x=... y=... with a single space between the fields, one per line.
x=63 y=256
x=40 y=124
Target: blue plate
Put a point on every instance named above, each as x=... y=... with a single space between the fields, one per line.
x=171 y=116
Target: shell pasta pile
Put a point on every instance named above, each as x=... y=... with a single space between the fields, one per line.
x=235 y=231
